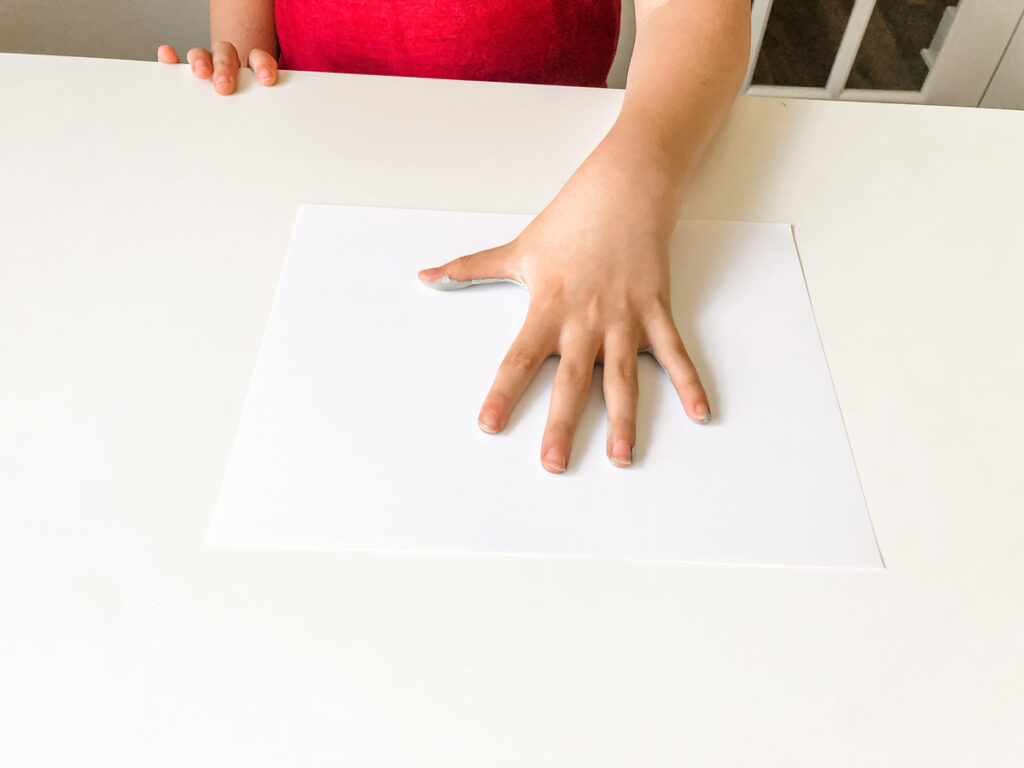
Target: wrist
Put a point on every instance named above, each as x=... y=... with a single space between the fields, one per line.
x=649 y=176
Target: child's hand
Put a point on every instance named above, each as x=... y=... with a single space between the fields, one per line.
x=222 y=64
x=596 y=264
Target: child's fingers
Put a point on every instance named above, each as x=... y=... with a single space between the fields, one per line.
x=620 y=395
x=222 y=64
x=534 y=343
x=568 y=396
x=200 y=62
x=166 y=55
x=225 y=68
x=263 y=65
x=668 y=349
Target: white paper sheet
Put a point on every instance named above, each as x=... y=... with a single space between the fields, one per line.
x=360 y=425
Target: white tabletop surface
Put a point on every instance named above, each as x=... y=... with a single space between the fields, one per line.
x=143 y=223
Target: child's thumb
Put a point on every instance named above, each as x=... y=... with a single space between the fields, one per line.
x=482 y=267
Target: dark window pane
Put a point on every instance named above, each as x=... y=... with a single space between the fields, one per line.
x=800 y=42
x=890 y=57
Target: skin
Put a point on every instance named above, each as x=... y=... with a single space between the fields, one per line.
x=596 y=259
x=244 y=35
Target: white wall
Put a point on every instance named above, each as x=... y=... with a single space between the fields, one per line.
x=627 y=35
x=1006 y=90
x=116 y=29
x=132 y=29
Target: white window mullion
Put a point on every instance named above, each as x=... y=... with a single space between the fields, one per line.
x=787 y=92
x=891 y=97
x=758 y=21
x=848 y=47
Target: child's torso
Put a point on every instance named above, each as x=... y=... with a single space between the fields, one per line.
x=564 y=42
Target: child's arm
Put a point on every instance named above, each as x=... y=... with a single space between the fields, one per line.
x=596 y=259
x=240 y=31
x=687 y=67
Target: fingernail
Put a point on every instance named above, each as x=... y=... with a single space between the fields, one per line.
x=488 y=421
x=703 y=413
x=554 y=460
x=621 y=454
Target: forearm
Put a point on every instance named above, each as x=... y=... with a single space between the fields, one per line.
x=687 y=67
x=246 y=24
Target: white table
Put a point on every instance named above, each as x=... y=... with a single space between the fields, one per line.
x=143 y=221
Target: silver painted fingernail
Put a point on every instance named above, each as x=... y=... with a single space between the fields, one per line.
x=617 y=460
x=705 y=419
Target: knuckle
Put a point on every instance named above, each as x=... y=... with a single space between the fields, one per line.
x=460 y=267
x=225 y=59
x=558 y=430
x=593 y=311
x=622 y=372
x=578 y=335
x=573 y=375
x=498 y=400
x=623 y=428
x=521 y=358
x=623 y=423
x=692 y=384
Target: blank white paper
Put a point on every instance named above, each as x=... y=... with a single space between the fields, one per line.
x=359 y=430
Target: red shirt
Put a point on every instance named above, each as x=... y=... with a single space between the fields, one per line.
x=559 y=42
